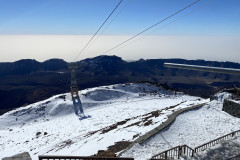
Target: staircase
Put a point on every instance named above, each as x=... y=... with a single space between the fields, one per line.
x=177 y=152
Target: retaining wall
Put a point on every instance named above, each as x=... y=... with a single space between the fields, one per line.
x=165 y=124
x=231 y=107
x=21 y=156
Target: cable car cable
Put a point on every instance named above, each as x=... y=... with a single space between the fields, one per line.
x=109 y=24
x=152 y=26
x=211 y=1
x=98 y=30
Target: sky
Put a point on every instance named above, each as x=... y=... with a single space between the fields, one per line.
x=33 y=29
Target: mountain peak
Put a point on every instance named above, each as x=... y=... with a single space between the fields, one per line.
x=104 y=58
x=26 y=61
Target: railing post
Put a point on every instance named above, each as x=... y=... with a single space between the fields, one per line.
x=179 y=151
x=166 y=155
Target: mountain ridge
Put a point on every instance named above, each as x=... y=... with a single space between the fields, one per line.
x=28 y=81
x=55 y=64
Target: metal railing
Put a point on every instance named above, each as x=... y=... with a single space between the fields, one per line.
x=171 y=153
x=215 y=141
x=176 y=152
x=235 y=157
x=186 y=150
x=80 y=158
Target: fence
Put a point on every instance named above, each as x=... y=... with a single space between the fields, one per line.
x=80 y=158
x=215 y=141
x=235 y=158
x=176 y=152
x=173 y=153
x=186 y=150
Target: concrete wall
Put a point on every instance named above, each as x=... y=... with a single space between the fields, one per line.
x=21 y=156
x=165 y=124
x=231 y=107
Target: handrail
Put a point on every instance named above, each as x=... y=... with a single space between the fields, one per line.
x=186 y=150
x=215 y=141
x=82 y=158
x=168 y=153
x=232 y=158
x=175 y=152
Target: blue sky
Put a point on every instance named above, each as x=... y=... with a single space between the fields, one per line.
x=220 y=17
x=44 y=29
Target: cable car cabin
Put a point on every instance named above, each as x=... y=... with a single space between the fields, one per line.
x=74 y=92
x=73 y=87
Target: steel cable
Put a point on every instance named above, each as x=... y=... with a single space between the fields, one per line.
x=151 y=26
x=98 y=30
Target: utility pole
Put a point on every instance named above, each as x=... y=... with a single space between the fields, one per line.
x=74 y=90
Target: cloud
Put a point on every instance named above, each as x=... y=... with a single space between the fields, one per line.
x=67 y=47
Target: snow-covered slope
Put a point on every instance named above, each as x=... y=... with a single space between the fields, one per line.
x=192 y=128
x=116 y=113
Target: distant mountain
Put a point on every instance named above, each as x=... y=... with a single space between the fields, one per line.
x=54 y=65
x=28 y=81
x=106 y=64
x=27 y=66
